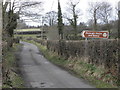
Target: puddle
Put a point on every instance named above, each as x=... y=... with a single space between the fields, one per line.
x=39 y=53
x=41 y=85
x=30 y=50
x=47 y=63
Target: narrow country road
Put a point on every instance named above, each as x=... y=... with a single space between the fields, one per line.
x=40 y=73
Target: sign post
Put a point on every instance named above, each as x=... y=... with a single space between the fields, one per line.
x=95 y=34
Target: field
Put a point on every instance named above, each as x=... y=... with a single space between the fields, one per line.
x=32 y=29
x=27 y=35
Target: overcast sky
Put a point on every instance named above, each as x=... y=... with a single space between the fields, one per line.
x=48 y=4
x=51 y=5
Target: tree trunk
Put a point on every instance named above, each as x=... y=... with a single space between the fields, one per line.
x=1 y=30
x=95 y=21
x=118 y=48
x=75 y=22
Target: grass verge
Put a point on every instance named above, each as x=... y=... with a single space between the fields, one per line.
x=11 y=76
x=78 y=68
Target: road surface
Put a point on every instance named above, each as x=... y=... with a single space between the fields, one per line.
x=40 y=73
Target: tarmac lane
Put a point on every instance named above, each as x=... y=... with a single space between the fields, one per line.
x=38 y=72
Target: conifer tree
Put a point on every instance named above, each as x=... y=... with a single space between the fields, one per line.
x=60 y=22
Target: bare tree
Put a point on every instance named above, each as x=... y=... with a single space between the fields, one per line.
x=51 y=18
x=100 y=11
x=30 y=9
x=11 y=12
x=105 y=12
x=72 y=10
x=23 y=8
x=116 y=13
x=94 y=8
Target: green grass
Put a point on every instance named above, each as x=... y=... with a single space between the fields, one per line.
x=26 y=35
x=86 y=71
x=17 y=81
x=77 y=67
x=9 y=63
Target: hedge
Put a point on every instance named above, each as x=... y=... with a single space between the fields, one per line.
x=102 y=52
